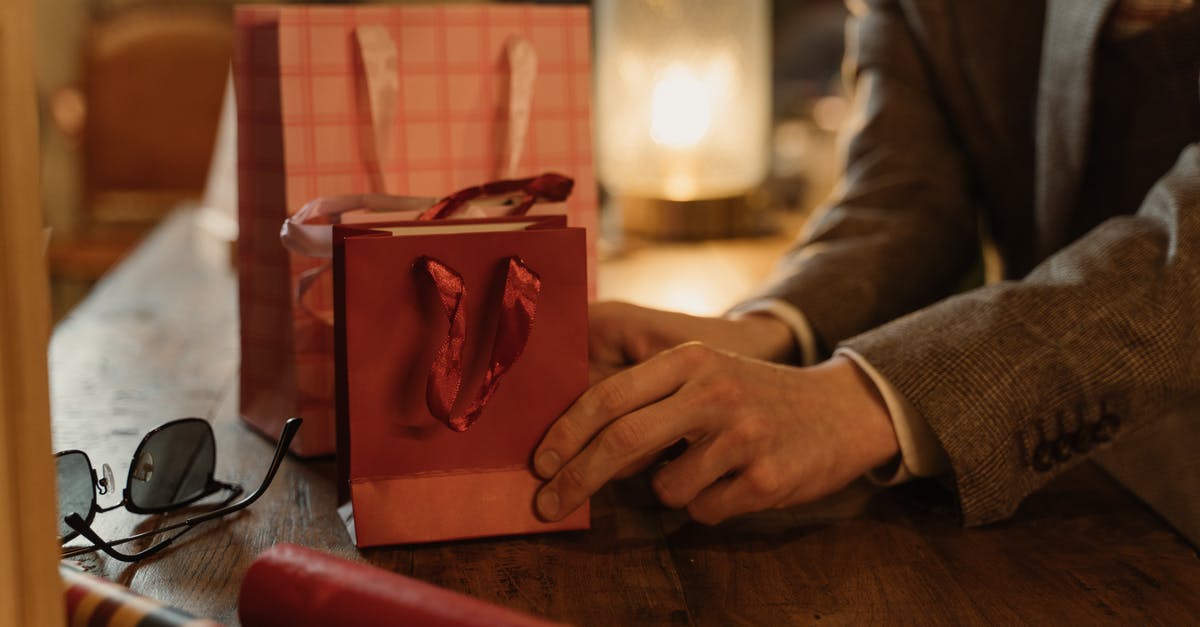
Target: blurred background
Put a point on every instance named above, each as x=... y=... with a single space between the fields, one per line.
x=132 y=91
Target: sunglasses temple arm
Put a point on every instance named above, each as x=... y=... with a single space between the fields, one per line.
x=234 y=489
x=110 y=507
x=285 y=440
x=86 y=531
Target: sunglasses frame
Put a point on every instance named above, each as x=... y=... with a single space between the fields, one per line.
x=211 y=485
x=95 y=507
x=84 y=528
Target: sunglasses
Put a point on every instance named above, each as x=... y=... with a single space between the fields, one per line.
x=172 y=468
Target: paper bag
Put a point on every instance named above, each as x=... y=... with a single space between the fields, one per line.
x=312 y=123
x=458 y=343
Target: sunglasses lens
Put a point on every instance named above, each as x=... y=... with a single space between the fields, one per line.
x=76 y=493
x=172 y=466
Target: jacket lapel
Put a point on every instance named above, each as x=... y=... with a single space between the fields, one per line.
x=1064 y=109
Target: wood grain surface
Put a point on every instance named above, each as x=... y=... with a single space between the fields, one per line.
x=1168 y=448
x=158 y=340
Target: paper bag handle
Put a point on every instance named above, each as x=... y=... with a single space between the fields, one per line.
x=379 y=99
x=316 y=240
x=378 y=94
x=300 y=236
x=518 y=307
x=309 y=231
x=549 y=187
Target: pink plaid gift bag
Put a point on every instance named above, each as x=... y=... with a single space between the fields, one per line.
x=416 y=101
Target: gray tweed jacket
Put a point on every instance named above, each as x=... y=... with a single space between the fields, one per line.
x=960 y=119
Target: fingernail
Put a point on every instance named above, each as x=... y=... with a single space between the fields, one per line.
x=547 y=504
x=546 y=464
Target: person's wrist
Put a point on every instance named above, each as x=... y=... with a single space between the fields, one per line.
x=874 y=435
x=766 y=337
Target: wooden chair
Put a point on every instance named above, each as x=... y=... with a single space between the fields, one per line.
x=145 y=118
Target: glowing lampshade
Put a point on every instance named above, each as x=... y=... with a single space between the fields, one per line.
x=682 y=97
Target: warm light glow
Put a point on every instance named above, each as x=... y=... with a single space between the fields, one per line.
x=690 y=298
x=682 y=97
x=679 y=186
x=680 y=108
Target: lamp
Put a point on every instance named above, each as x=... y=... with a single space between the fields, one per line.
x=682 y=112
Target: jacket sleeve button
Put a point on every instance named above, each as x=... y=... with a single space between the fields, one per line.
x=1081 y=440
x=1106 y=427
x=1062 y=448
x=1043 y=458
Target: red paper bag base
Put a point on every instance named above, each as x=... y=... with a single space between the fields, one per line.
x=434 y=507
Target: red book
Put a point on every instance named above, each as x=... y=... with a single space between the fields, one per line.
x=291 y=586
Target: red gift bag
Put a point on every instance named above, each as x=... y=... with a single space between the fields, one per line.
x=458 y=343
x=383 y=100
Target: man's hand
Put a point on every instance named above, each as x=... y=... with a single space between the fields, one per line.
x=623 y=335
x=759 y=435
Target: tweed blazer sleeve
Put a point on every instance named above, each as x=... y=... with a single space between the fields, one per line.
x=900 y=230
x=1021 y=379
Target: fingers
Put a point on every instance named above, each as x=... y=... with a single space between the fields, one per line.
x=626 y=334
x=752 y=490
x=703 y=464
x=637 y=466
x=629 y=418
x=606 y=343
x=657 y=457
x=614 y=425
x=615 y=396
x=621 y=444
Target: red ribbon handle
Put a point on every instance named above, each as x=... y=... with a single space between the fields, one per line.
x=517 y=310
x=549 y=187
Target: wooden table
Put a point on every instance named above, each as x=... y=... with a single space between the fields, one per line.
x=158 y=340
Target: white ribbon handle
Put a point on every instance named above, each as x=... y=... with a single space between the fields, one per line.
x=522 y=72
x=316 y=240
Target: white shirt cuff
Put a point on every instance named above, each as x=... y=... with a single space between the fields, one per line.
x=921 y=455
x=802 y=332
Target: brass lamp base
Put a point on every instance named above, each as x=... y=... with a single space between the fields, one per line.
x=655 y=218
